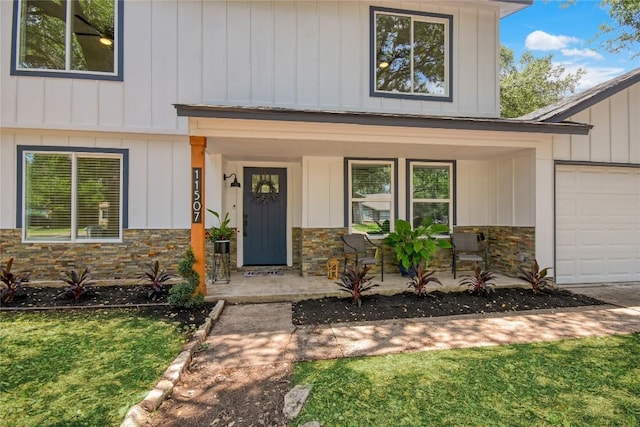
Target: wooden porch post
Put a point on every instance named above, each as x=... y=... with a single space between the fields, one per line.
x=198 y=145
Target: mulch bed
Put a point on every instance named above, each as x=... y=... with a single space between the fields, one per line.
x=408 y=305
x=97 y=297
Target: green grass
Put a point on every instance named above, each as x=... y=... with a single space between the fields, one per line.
x=80 y=368
x=586 y=382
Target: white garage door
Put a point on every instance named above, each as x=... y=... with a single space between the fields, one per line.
x=597 y=224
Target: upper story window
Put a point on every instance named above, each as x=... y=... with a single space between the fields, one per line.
x=68 y=38
x=372 y=194
x=431 y=192
x=72 y=195
x=411 y=54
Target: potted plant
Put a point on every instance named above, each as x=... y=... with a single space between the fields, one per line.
x=416 y=246
x=221 y=234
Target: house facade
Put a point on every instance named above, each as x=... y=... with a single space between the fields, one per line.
x=334 y=117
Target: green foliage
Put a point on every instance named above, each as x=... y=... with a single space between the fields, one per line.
x=355 y=281
x=155 y=280
x=536 y=277
x=533 y=83
x=78 y=283
x=577 y=382
x=222 y=231
x=414 y=247
x=479 y=282
x=626 y=34
x=420 y=278
x=80 y=368
x=184 y=295
x=11 y=283
x=185 y=268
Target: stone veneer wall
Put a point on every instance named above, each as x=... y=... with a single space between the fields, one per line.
x=511 y=248
x=296 y=237
x=117 y=262
x=508 y=249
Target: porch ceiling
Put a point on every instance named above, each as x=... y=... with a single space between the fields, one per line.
x=265 y=149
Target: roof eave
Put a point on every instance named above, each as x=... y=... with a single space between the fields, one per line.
x=379 y=119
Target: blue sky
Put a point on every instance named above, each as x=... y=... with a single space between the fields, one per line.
x=567 y=33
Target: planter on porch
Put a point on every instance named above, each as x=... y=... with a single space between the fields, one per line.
x=221 y=246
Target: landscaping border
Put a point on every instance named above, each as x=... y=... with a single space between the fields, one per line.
x=138 y=414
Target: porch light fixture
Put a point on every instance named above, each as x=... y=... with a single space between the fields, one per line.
x=235 y=182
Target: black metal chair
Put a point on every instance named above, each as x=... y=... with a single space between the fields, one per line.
x=467 y=247
x=360 y=246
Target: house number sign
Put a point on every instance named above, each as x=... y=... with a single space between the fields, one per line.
x=196 y=195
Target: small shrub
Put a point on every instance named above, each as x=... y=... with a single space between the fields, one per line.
x=355 y=281
x=536 y=277
x=11 y=283
x=78 y=283
x=479 y=282
x=155 y=280
x=421 y=278
x=184 y=295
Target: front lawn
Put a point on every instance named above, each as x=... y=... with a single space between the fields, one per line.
x=81 y=368
x=586 y=382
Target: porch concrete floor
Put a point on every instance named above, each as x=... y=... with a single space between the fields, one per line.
x=291 y=287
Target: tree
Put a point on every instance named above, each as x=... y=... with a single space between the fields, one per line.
x=532 y=83
x=626 y=13
x=626 y=34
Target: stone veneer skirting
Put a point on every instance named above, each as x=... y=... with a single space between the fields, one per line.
x=508 y=249
x=118 y=262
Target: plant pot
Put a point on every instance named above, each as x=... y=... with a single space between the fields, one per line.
x=221 y=246
x=406 y=273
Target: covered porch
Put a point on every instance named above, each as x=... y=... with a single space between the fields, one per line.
x=291 y=287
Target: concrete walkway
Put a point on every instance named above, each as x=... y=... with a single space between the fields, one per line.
x=263 y=334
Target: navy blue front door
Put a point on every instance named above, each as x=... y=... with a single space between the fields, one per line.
x=265 y=216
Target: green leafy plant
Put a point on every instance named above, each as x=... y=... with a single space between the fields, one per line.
x=421 y=278
x=355 y=281
x=479 y=282
x=11 y=283
x=155 y=279
x=418 y=245
x=536 y=277
x=78 y=283
x=183 y=295
x=222 y=231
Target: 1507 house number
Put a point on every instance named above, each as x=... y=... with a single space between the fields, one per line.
x=196 y=195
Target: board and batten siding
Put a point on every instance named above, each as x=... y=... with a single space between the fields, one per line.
x=615 y=137
x=495 y=192
x=298 y=54
x=159 y=186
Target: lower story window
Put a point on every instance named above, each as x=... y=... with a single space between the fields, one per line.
x=72 y=196
x=431 y=192
x=371 y=196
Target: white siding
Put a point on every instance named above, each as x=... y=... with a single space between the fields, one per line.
x=159 y=167
x=300 y=54
x=615 y=137
x=322 y=192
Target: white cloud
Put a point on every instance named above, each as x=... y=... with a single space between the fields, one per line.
x=539 y=40
x=582 y=53
x=593 y=75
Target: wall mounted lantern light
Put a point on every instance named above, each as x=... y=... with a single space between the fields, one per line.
x=235 y=182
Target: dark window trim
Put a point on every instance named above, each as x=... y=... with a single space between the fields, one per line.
x=347 y=190
x=454 y=187
x=125 y=174
x=372 y=56
x=117 y=76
